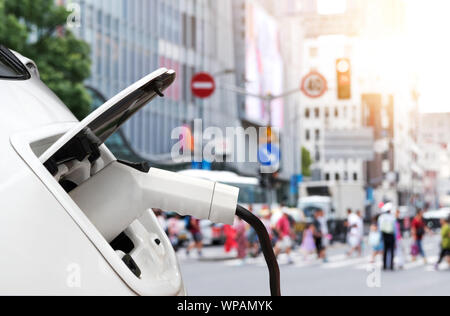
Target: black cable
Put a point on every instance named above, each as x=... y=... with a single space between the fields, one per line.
x=266 y=247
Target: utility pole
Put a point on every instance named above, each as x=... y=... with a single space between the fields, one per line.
x=268 y=100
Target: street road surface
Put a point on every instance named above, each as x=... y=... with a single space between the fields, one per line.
x=221 y=275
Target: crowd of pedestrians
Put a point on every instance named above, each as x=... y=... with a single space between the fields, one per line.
x=385 y=237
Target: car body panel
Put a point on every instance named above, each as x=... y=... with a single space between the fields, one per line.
x=48 y=245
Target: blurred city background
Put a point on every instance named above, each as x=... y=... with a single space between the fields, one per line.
x=354 y=91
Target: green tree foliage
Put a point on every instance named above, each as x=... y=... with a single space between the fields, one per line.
x=306 y=162
x=36 y=29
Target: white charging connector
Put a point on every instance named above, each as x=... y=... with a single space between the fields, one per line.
x=118 y=195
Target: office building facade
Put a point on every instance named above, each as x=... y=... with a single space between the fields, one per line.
x=131 y=38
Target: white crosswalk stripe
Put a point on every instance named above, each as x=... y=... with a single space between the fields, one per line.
x=334 y=262
x=344 y=263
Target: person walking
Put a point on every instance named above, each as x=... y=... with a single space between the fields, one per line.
x=193 y=225
x=445 y=244
x=326 y=237
x=355 y=234
x=230 y=238
x=361 y=231
x=252 y=240
x=386 y=224
x=241 y=239
x=318 y=236
x=266 y=220
x=308 y=246
x=347 y=225
x=399 y=251
x=375 y=240
x=284 y=244
x=418 y=230
x=174 y=227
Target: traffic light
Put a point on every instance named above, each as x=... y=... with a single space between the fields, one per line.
x=344 y=78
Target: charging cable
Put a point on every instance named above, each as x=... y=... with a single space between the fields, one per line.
x=118 y=195
x=266 y=248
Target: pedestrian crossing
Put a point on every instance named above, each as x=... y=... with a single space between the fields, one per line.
x=342 y=261
x=339 y=261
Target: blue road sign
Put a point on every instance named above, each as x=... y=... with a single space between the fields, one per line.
x=269 y=155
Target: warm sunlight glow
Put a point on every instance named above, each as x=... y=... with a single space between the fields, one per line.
x=429 y=49
x=331 y=6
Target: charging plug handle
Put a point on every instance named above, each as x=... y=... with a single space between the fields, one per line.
x=118 y=195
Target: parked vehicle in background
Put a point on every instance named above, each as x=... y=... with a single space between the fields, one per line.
x=334 y=199
x=433 y=218
x=310 y=204
x=343 y=196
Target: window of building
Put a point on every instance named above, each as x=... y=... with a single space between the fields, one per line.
x=327 y=177
x=317 y=112
x=307 y=135
x=307 y=113
x=336 y=112
x=193 y=32
x=317 y=134
x=313 y=52
x=317 y=155
x=355 y=176
x=337 y=177
x=185 y=30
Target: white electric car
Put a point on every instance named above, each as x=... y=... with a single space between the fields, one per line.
x=49 y=244
x=76 y=221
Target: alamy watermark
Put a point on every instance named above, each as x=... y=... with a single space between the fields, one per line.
x=73 y=279
x=74 y=18
x=250 y=145
x=373 y=280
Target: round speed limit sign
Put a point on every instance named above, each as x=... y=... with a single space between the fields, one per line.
x=314 y=85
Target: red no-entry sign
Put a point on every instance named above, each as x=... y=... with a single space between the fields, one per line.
x=203 y=85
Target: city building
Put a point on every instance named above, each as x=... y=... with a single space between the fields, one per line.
x=132 y=38
x=288 y=46
x=328 y=113
x=408 y=152
x=359 y=32
x=435 y=128
x=434 y=140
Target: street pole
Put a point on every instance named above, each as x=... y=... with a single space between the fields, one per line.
x=298 y=151
x=268 y=100
x=268 y=106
